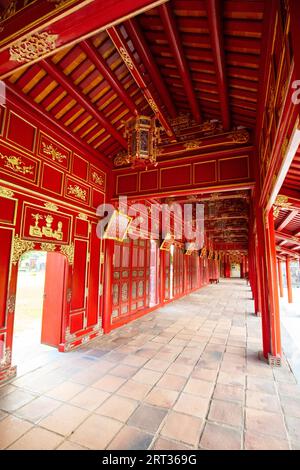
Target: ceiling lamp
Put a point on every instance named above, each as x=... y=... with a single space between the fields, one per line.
x=143 y=136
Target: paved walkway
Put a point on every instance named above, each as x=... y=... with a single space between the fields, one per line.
x=184 y=377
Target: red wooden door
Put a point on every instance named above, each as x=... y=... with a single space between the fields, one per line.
x=54 y=299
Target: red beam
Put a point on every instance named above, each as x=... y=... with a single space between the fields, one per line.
x=290 y=253
x=69 y=21
x=214 y=11
x=183 y=67
x=287 y=220
x=287 y=238
x=97 y=59
x=133 y=68
x=147 y=58
x=69 y=86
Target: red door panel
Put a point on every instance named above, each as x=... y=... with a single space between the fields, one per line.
x=54 y=299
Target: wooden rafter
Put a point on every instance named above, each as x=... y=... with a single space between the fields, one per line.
x=287 y=238
x=183 y=67
x=133 y=68
x=216 y=33
x=67 y=83
x=144 y=51
x=287 y=220
x=97 y=59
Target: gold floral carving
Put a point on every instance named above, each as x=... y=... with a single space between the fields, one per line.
x=282 y=202
x=153 y=105
x=20 y=247
x=97 y=179
x=82 y=216
x=4 y=192
x=240 y=136
x=56 y=156
x=50 y=247
x=47 y=229
x=126 y=58
x=32 y=47
x=51 y=206
x=16 y=164
x=78 y=192
x=193 y=144
x=121 y=159
x=68 y=251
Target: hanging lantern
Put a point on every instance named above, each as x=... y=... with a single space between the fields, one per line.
x=143 y=136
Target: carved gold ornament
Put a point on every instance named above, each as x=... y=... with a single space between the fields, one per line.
x=9 y=11
x=47 y=229
x=126 y=58
x=78 y=192
x=68 y=251
x=16 y=164
x=51 y=206
x=153 y=105
x=193 y=144
x=282 y=202
x=11 y=304
x=122 y=159
x=20 y=247
x=240 y=136
x=7 y=193
x=49 y=247
x=82 y=216
x=32 y=47
x=56 y=156
x=97 y=179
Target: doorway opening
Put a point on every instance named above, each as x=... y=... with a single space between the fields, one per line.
x=235 y=270
x=40 y=303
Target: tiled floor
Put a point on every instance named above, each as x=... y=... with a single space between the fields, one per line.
x=184 y=377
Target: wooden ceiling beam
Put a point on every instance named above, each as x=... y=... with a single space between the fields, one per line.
x=287 y=220
x=214 y=18
x=287 y=238
x=290 y=253
x=128 y=58
x=140 y=44
x=101 y=65
x=183 y=67
x=69 y=86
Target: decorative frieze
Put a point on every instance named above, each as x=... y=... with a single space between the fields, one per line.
x=51 y=206
x=32 y=47
x=68 y=251
x=7 y=193
x=16 y=164
x=20 y=247
x=53 y=152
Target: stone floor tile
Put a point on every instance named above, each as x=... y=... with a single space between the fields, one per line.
x=258 y=384
x=37 y=409
x=199 y=387
x=124 y=371
x=217 y=437
x=130 y=438
x=96 y=432
x=254 y=441
x=109 y=383
x=172 y=382
x=262 y=401
x=229 y=393
x=192 y=405
x=148 y=418
x=67 y=445
x=259 y=421
x=226 y=412
x=291 y=406
x=16 y=399
x=11 y=429
x=147 y=376
x=134 y=390
x=65 y=391
x=161 y=397
x=90 y=398
x=64 y=419
x=37 y=439
x=188 y=432
x=117 y=407
x=165 y=444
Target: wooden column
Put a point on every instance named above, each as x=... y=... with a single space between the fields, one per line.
x=273 y=286
x=289 y=280
x=280 y=282
x=162 y=276
x=108 y=273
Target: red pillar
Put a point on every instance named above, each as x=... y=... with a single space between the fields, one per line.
x=108 y=273
x=162 y=276
x=289 y=280
x=273 y=286
x=279 y=271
